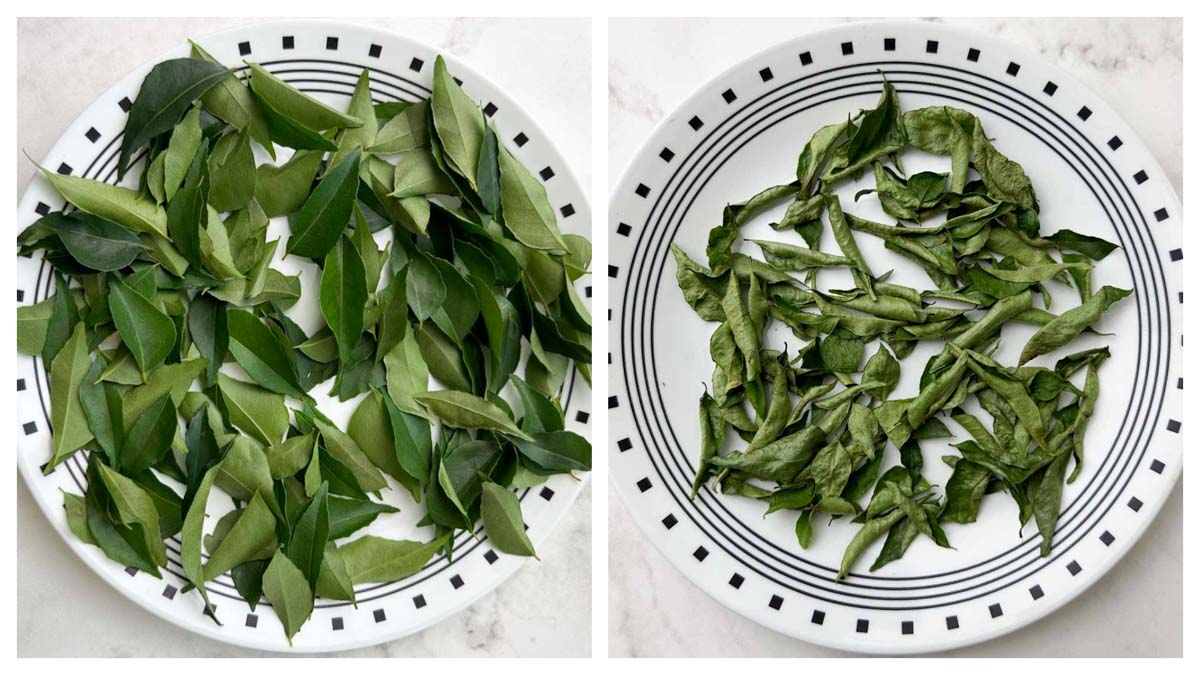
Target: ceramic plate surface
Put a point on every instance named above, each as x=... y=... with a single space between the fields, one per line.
x=743 y=132
x=325 y=60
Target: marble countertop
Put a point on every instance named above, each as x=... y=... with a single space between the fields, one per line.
x=1137 y=65
x=542 y=610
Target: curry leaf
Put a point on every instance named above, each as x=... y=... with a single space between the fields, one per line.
x=503 y=522
x=165 y=95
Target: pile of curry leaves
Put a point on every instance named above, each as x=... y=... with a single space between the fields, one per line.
x=157 y=288
x=816 y=422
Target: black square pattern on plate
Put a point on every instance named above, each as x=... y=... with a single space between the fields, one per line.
x=642 y=191
x=889 y=44
x=125 y=104
x=131 y=571
x=489 y=109
x=952 y=623
x=818 y=617
x=666 y=155
x=289 y=42
x=252 y=621
x=331 y=43
x=337 y=622
x=612 y=401
x=613 y=270
x=1161 y=215
x=416 y=65
x=973 y=55
x=624 y=444
x=65 y=169
x=1013 y=68
x=729 y=96
x=1176 y=254
x=581 y=416
x=1157 y=466
x=862 y=626
x=1074 y=568
x=1140 y=177
x=776 y=602
x=847 y=48
x=995 y=610
x=209 y=610
x=419 y=601
x=169 y=592
x=1036 y=592
x=736 y=580
x=380 y=616
x=766 y=74
x=1173 y=425
x=1049 y=89
x=644 y=484
x=1084 y=113
x=931 y=46
x=520 y=139
x=547 y=493
x=670 y=521
x=243 y=48
x=30 y=428
x=695 y=123
x=623 y=229
x=491 y=557
x=806 y=59
x=906 y=627
x=41 y=209
x=546 y=173
x=21 y=384
x=1107 y=538
x=1115 y=142
x=92 y=134
x=456 y=581
x=374 y=51
x=1135 y=503
x=700 y=553
x=1179 y=382
x=20 y=295
x=567 y=211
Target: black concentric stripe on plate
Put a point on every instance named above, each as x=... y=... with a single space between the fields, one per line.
x=1077 y=144
x=669 y=422
x=103 y=167
x=859 y=585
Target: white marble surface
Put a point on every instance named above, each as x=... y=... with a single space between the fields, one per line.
x=544 y=609
x=1137 y=65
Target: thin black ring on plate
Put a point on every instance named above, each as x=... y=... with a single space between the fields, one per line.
x=1111 y=197
x=75 y=466
x=654 y=377
x=860 y=585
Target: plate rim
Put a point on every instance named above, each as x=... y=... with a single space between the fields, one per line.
x=623 y=186
x=110 y=574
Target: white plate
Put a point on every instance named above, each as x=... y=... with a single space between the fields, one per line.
x=741 y=133
x=324 y=59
